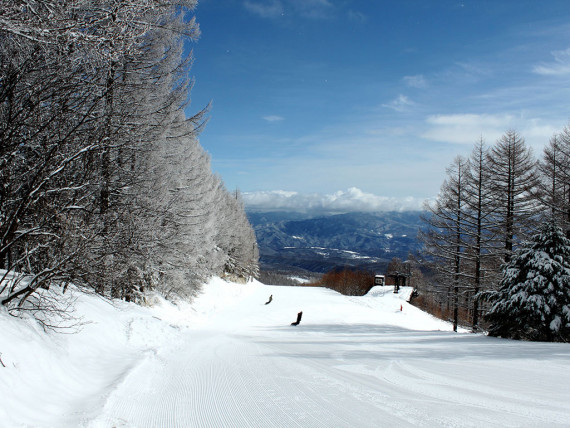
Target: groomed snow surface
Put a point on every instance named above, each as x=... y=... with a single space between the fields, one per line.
x=229 y=360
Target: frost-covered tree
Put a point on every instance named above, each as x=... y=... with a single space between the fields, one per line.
x=533 y=301
x=144 y=93
x=46 y=128
x=102 y=179
x=184 y=196
x=236 y=238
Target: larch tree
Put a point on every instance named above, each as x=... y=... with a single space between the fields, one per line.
x=478 y=219
x=444 y=238
x=103 y=181
x=514 y=183
x=144 y=92
x=554 y=188
x=237 y=239
x=183 y=258
x=504 y=197
x=46 y=124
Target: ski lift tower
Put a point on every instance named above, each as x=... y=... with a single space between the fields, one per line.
x=401 y=278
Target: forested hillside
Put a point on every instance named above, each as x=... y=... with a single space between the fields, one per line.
x=103 y=180
x=289 y=241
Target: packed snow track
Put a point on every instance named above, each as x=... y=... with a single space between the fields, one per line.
x=372 y=361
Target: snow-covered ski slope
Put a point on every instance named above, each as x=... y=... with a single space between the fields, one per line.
x=230 y=360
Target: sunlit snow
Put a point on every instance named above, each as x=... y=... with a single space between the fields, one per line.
x=230 y=360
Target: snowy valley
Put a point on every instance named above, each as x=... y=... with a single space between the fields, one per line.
x=131 y=263
x=230 y=360
x=294 y=241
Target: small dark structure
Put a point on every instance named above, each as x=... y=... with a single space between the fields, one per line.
x=400 y=280
x=397 y=279
x=379 y=280
x=299 y=315
x=270 y=300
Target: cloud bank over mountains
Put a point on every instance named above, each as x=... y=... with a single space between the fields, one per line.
x=343 y=201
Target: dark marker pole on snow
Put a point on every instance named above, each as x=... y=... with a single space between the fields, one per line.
x=299 y=315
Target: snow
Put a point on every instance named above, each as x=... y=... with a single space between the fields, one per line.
x=300 y=280
x=356 y=256
x=229 y=360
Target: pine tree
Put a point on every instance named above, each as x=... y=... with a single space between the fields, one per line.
x=533 y=301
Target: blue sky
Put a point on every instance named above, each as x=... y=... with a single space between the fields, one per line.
x=371 y=100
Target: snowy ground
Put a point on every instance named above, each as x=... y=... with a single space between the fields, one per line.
x=229 y=360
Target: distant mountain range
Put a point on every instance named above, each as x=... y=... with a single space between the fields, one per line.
x=292 y=242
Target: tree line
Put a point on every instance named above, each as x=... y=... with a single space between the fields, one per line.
x=347 y=281
x=489 y=205
x=103 y=182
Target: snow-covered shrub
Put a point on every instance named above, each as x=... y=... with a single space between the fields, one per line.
x=533 y=300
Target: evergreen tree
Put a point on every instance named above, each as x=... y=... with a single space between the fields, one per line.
x=533 y=301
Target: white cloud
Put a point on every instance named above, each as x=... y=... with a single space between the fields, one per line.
x=316 y=9
x=467 y=128
x=271 y=9
x=316 y=3
x=400 y=104
x=560 y=66
x=351 y=200
x=312 y=9
x=273 y=118
x=417 y=81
